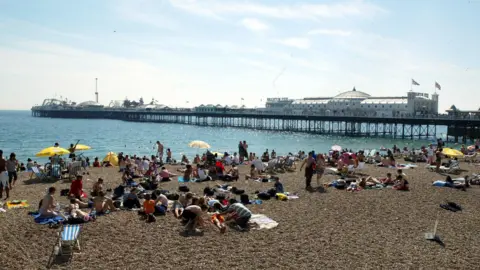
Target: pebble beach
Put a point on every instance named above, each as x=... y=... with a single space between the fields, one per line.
x=368 y=229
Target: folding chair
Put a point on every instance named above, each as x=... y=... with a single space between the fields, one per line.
x=40 y=175
x=68 y=239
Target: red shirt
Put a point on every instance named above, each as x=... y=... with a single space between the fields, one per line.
x=76 y=188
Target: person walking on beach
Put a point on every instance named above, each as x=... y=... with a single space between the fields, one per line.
x=11 y=165
x=309 y=164
x=3 y=177
x=160 y=151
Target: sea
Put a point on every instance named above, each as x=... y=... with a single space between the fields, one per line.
x=26 y=135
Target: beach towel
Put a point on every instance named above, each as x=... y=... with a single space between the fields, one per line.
x=46 y=220
x=260 y=221
x=255 y=202
x=181 y=180
x=292 y=197
x=16 y=204
x=441 y=183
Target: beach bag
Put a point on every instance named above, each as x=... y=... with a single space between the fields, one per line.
x=264 y=196
x=272 y=192
x=244 y=199
x=208 y=191
x=237 y=191
x=183 y=189
x=281 y=197
x=64 y=192
x=265 y=180
x=172 y=196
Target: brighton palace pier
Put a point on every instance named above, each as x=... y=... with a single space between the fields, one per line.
x=351 y=113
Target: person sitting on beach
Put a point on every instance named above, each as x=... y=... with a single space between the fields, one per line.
x=48 y=205
x=165 y=175
x=102 y=204
x=97 y=187
x=161 y=204
x=96 y=163
x=278 y=186
x=240 y=214
x=232 y=174
x=202 y=174
x=273 y=154
x=401 y=183
x=74 y=210
x=127 y=178
x=387 y=180
x=148 y=209
x=253 y=173
x=76 y=188
x=400 y=172
x=196 y=159
x=187 y=173
x=185 y=160
x=265 y=156
x=183 y=201
x=131 y=201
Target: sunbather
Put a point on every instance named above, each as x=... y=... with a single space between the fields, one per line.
x=401 y=183
x=48 y=205
x=75 y=211
x=97 y=187
x=102 y=204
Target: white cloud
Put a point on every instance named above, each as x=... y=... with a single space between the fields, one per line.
x=254 y=24
x=215 y=8
x=296 y=42
x=330 y=32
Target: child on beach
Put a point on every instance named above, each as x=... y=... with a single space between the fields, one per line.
x=148 y=209
x=75 y=211
x=219 y=221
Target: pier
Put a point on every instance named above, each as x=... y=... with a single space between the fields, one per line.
x=458 y=129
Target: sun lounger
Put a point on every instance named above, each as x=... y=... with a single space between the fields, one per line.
x=68 y=239
x=74 y=169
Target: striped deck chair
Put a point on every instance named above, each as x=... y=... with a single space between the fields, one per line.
x=39 y=174
x=68 y=239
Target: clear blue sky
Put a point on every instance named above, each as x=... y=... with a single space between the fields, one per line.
x=218 y=51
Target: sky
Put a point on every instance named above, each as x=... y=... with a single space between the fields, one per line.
x=185 y=53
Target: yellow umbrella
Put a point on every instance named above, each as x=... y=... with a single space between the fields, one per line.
x=199 y=144
x=112 y=158
x=52 y=151
x=81 y=147
x=452 y=152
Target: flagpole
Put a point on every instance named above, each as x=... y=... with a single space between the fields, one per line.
x=411 y=85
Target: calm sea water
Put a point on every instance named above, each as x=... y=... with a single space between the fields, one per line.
x=26 y=135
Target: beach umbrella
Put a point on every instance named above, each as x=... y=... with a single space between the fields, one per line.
x=452 y=152
x=52 y=151
x=336 y=148
x=112 y=158
x=82 y=147
x=199 y=144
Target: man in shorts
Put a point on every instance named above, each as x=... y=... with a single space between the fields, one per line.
x=3 y=177
x=11 y=165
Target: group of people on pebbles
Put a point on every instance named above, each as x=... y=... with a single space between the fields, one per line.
x=141 y=177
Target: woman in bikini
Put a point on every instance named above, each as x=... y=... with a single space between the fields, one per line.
x=320 y=168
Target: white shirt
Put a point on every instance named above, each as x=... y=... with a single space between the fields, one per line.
x=163 y=199
x=258 y=164
x=236 y=160
x=146 y=165
x=228 y=160
x=430 y=152
x=201 y=174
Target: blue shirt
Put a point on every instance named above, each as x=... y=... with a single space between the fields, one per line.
x=278 y=187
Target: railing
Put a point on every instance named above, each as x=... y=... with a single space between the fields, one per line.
x=272 y=113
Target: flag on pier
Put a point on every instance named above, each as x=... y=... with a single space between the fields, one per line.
x=437 y=86
x=414 y=82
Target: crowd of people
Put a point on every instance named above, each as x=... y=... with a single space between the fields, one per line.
x=190 y=208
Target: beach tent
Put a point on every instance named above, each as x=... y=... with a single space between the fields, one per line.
x=199 y=144
x=112 y=158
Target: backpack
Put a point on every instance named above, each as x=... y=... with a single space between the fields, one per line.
x=264 y=196
x=183 y=189
x=237 y=191
x=172 y=196
x=244 y=199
